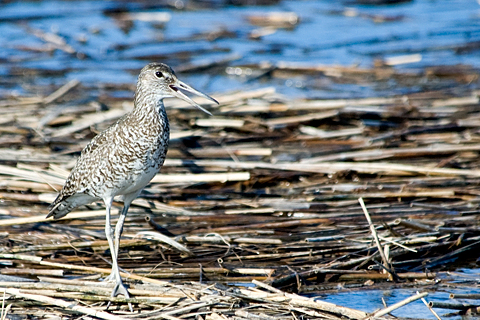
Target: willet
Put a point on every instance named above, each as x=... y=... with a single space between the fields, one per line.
x=124 y=158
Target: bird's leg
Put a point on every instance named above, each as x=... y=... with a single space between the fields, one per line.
x=117 y=235
x=127 y=200
x=119 y=227
x=119 y=286
x=109 y=234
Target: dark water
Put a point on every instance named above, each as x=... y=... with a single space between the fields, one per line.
x=110 y=49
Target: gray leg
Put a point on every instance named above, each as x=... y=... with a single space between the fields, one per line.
x=119 y=226
x=127 y=200
x=109 y=233
x=117 y=235
x=119 y=286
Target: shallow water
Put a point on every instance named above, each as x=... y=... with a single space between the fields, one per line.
x=109 y=50
x=371 y=300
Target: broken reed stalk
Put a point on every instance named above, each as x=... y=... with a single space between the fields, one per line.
x=430 y=308
x=61 y=91
x=62 y=303
x=397 y=305
x=464 y=296
x=82 y=268
x=453 y=305
x=317 y=304
x=386 y=264
x=41 y=218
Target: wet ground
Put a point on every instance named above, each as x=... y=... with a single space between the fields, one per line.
x=220 y=47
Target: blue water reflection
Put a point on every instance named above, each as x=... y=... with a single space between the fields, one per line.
x=329 y=33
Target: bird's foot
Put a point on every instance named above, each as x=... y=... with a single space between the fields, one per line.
x=120 y=289
x=110 y=278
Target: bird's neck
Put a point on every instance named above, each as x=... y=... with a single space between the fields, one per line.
x=149 y=111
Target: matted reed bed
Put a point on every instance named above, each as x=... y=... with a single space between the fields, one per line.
x=257 y=209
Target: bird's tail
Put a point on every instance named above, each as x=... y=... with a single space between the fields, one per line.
x=59 y=208
x=63 y=204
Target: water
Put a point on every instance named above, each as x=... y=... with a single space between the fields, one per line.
x=460 y=282
x=108 y=53
x=371 y=300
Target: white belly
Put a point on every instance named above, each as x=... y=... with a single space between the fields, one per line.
x=137 y=182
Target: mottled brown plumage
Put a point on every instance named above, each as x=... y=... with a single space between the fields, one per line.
x=124 y=158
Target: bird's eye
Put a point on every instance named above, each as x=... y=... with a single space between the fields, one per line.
x=159 y=74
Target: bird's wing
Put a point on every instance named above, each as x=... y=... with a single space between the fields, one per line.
x=88 y=159
x=99 y=142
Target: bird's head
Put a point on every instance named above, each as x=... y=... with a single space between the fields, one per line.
x=160 y=80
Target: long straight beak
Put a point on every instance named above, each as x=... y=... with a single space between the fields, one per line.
x=179 y=85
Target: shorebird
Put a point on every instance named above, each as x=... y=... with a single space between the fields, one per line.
x=124 y=158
